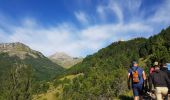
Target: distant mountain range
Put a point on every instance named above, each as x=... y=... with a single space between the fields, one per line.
x=64 y=59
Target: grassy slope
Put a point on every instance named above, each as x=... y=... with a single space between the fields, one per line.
x=54 y=93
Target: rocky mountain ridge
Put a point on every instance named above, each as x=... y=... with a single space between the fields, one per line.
x=19 y=49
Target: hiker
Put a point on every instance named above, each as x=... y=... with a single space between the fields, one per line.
x=138 y=77
x=164 y=68
x=151 y=70
x=160 y=81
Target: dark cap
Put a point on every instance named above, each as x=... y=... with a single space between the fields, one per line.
x=134 y=62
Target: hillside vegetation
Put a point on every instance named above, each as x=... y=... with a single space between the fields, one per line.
x=105 y=72
x=24 y=71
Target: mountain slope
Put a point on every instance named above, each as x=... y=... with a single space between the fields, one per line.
x=65 y=60
x=105 y=72
x=100 y=72
x=24 y=71
x=103 y=75
x=12 y=53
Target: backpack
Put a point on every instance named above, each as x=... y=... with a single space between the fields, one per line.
x=135 y=75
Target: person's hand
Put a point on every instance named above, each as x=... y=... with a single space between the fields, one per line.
x=129 y=87
x=153 y=91
x=146 y=89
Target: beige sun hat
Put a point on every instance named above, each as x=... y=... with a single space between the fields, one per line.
x=156 y=63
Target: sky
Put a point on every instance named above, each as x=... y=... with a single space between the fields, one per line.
x=80 y=27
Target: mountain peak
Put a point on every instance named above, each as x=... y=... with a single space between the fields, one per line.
x=64 y=59
x=60 y=55
x=13 y=46
x=18 y=49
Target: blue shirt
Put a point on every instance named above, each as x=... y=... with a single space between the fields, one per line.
x=168 y=64
x=140 y=72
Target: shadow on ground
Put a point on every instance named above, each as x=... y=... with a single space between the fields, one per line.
x=124 y=97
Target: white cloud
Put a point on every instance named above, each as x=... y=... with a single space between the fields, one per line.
x=133 y=5
x=46 y=40
x=65 y=37
x=111 y=7
x=69 y=39
x=3 y=36
x=162 y=14
x=117 y=10
x=101 y=11
x=82 y=17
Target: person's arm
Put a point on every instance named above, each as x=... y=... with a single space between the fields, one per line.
x=128 y=80
x=167 y=79
x=150 y=82
x=144 y=75
x=145 y=85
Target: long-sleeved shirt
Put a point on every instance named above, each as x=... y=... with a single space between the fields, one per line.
x=165 y=69
x=159 y=79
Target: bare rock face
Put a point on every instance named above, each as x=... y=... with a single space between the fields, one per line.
x=19 y=49
x=65 y=60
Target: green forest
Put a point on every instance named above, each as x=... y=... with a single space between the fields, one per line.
x=21 y=78
x=103 y=74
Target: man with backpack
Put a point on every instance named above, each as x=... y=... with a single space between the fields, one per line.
x=138 y=77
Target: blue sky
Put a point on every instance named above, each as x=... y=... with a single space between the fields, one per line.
x=80 y=27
